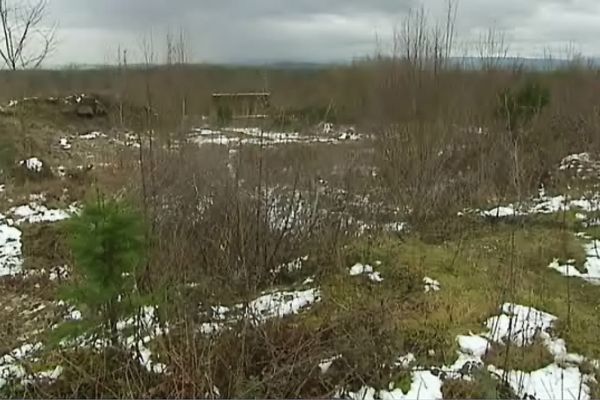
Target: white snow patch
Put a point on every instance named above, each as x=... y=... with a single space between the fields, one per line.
x=375 y=277
x=146 y=327
x=395 y=227
x=359 y=269
x=10 y=236
x=281 y=304
x=543 y=204
x=10 y=251
x=33 y=164
x=520 y=325
x=59 y=272
x=327 y=363
x=257 y=136
x=406 y=360
x=64 y=144
x=267 y=306
x=550 y=382
x=11 y=368
x=592 y=265
x=574 y=160
x=424 y=385
x=473 y=345
x=36 y=213
x=294 y=265
x=431 y=285
x=309 y=280
x=500 y=212
x=91 y=135
x=365 y=269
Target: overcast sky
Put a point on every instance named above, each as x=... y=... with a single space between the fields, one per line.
x=226 y=31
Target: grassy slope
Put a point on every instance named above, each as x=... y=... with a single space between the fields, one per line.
x=491 y=265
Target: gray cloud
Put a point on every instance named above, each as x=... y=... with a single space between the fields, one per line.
x=310 y=30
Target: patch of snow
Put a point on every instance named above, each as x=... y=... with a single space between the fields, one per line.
x=11 y=261
x=294 y=265
x=395 y=227
x=473 y=345
x=59 y=273
x=257 y=136
x=146 y=327
x=11 y=363
x=327 y=363
x=518 y=324
x=308 y=280
x=543 y=204
x=375 y=277
x=359 y=269
x=49 y=375
x=64 y=144
x=281 y=304
x=91 y=135
x=133 y=140
x=277 y=304
x=500 y=212
x=424 y=385
x=406 y=360
x=205 y=131
x=33 y=164
x=574 y=160
x=36 y=213
x=550 y=382
x=349 y=136
x=591 y=266
x=431 y=285
x=37 y=197
x=365 y=269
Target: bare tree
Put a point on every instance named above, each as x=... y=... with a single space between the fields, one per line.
x=25 y=42
x=492 y=48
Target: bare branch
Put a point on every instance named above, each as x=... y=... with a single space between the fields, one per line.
x=25 y=41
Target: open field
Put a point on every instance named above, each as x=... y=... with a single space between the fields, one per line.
x=386 y=232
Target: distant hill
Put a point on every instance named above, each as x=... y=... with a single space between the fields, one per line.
x=537 y=64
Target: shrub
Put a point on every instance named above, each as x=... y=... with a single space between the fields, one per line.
x=519 y=107
x=107 y=245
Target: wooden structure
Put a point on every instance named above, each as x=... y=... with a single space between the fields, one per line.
x=248 y=105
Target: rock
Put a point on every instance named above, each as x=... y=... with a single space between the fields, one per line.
x=85 y=111
x=90 y=107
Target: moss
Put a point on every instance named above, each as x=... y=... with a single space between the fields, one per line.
x=403 y=381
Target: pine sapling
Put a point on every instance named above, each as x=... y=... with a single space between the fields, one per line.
x=107 y=242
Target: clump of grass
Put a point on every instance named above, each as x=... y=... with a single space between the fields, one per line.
x=45 y=245
x=482 y=386
x=527 y=358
